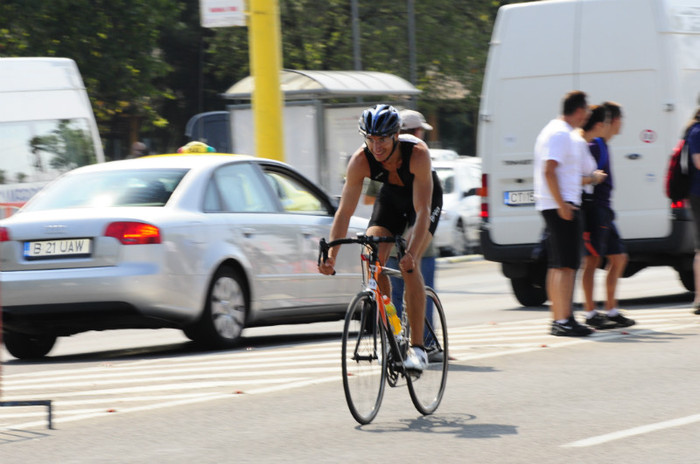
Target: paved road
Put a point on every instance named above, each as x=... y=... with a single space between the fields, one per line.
x=515 y=394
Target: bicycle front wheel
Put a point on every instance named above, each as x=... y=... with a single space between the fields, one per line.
x=363 y=358
x=427 y=389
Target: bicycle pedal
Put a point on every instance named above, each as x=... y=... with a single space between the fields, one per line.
x=415 y=375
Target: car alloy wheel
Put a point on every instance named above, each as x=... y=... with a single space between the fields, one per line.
x=224 y=316
x=227 y=302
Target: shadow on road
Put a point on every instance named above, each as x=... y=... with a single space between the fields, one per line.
x=459 y=425
x=625 y=303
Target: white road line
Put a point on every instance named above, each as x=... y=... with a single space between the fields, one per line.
x=139 y=385
x=166 y=387
x=213 y=396
x=554 y=342
x=633 y=431
x=180 y=378
x=122 y=375
x=240 y=358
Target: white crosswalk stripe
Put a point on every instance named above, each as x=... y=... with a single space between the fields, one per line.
x=128 y=386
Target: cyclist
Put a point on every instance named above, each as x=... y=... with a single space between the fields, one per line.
x=410 y=196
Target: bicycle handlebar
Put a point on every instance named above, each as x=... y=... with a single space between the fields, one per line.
x=371 y=241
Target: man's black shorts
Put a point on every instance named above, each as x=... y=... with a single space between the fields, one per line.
x=393 y=208
x=564 y=241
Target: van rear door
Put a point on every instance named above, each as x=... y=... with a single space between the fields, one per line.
x=632 y=67
x=522 y=92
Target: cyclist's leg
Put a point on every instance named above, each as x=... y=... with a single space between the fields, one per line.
x=427 y=389
x=384 y=251
x=415 y=293
x=427 y=268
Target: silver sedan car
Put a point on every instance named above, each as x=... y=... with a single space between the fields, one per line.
x=206 y=243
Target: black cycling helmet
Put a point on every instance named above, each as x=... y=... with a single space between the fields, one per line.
x=380 y=120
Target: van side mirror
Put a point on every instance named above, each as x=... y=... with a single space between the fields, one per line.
x=470 y=193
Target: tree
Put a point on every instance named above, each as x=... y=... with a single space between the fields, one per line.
x=451 y=46
x=148 y=65
x=115 y=44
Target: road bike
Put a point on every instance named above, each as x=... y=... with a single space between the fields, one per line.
x=372 y=355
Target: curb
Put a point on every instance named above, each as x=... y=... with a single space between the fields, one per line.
x=458 y=259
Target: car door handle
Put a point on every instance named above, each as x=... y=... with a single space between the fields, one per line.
x=634 y=156
x=307 y=233
x=248 y=232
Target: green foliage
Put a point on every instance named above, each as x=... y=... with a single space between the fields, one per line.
x=150 y=61
x=114 y=42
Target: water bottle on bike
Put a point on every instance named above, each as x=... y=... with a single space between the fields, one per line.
x=392 y=315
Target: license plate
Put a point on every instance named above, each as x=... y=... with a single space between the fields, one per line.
x=52 y=248
x=519 y=198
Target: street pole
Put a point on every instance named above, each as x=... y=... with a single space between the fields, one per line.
x=265 y=64
x=412 y=45
x=356 y=36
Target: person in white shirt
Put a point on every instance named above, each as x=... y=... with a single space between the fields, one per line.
x=558 y=177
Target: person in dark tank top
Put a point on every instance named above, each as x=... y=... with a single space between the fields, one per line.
x=410 y=199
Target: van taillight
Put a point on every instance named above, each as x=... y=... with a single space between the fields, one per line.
x=484 y=192
x=4 y=234
x=678 y=204
x=133 y=233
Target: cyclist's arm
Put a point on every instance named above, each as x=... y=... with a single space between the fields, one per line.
x=358 y=169
x=421 y=168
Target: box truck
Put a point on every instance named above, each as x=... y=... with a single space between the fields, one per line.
x=47 y=126
x=643 y=54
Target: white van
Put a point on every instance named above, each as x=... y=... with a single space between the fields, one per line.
x=643 y=54
x=47 y=126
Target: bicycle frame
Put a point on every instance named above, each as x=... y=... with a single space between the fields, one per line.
x=371 y=269
x=368 y=363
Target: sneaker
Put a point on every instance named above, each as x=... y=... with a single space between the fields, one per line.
x=696 y=308
x=621 y=320
x=601 y=322
x=416 y=359
x=570 y=328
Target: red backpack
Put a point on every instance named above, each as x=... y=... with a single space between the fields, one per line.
x=678 y=175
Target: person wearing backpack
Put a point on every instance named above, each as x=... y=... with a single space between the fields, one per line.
x=691 y=134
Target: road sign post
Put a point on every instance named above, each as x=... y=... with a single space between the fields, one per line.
x=265 y=52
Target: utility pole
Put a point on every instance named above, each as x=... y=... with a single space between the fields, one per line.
x=356 y=36
x=412 y=46
x=265 y=65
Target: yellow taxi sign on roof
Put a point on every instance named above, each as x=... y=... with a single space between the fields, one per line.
x=196 y=147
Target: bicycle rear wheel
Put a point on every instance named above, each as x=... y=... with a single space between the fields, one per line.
x=427 y=389
x=363 y=358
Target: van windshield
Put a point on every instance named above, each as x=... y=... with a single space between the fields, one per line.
x=35 y=152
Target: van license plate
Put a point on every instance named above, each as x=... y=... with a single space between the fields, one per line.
x=519 y=198
x=58 y=248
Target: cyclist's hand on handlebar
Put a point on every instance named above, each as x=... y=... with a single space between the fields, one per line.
x=407 y=264
x=327 y=267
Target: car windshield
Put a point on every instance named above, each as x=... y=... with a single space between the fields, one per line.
x=136 y=187
x=447 y=179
